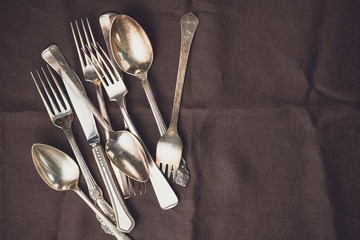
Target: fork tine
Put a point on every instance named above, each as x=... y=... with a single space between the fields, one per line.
x=105 y=63
x=108 y=81
x=55 y=109
x=85 y=32
x=169 y=170
x=92 y=37
x=116 y=72
x=163 y=168
x=142 y=188
x=130 y=183
x=80 y=37
x=48 y=109
x=59 y=103
x=77 y=46
x=61 y=91
x=90 y=31
x=175 y=171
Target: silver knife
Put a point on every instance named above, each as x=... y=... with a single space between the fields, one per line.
x=54 y=57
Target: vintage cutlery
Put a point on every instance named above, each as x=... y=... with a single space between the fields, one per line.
x=61 y=173
x=91 y=76
x=105 y=21
x=169 y=147
x=123 y=148
x=137 y=62
x=123 y=218
x=62 y=117
x=116 y=91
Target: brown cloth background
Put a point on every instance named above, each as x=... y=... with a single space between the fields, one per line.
x=270 y=119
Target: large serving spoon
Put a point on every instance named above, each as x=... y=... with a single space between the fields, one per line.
x=122 y=147
x=133 y=53
x=61 y=173
x=169 y=148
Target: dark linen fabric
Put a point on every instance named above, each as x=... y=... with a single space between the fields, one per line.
x=270 y=119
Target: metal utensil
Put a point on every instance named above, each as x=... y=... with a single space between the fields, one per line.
x=91 y=76
x=123 y=148
x=62 y=117
x=105 y=24
x=116 y=91
x=123 y=218
x=169 y=147
x=61 y=173
x=137 y=62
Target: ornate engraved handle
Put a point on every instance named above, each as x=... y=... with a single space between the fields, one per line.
x=189 y=23
x=124 y=220
x=117 y=233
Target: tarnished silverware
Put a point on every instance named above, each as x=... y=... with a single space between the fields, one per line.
x=116 y=91
x=62 y=117
x=123 y=218
x=123 y=148
x=61 y=173
x=169 y=148
x=91 y=76
x=105 y=24
x=137 y=62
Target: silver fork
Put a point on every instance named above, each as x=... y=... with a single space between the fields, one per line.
x=116 y=91
x=126 y=184
x=62 y=117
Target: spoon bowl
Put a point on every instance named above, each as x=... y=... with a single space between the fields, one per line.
x=60 y=172
x=134 y=55
x=122 y=148
x=56 y=168
x=130 y=46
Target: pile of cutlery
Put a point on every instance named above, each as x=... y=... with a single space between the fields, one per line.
x=124 y=162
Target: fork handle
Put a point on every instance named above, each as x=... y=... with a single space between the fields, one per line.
x=124 y=219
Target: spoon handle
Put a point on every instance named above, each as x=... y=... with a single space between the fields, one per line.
x=189 y=23
x=116 y=231
x=154 y=107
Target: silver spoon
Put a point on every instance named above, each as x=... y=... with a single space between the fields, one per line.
x=61 y=173
x=105 y=24
x=133 y=53
x=122 y=147
x=169 y=147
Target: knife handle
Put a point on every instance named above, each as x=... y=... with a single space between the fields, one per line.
x=124 y=220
